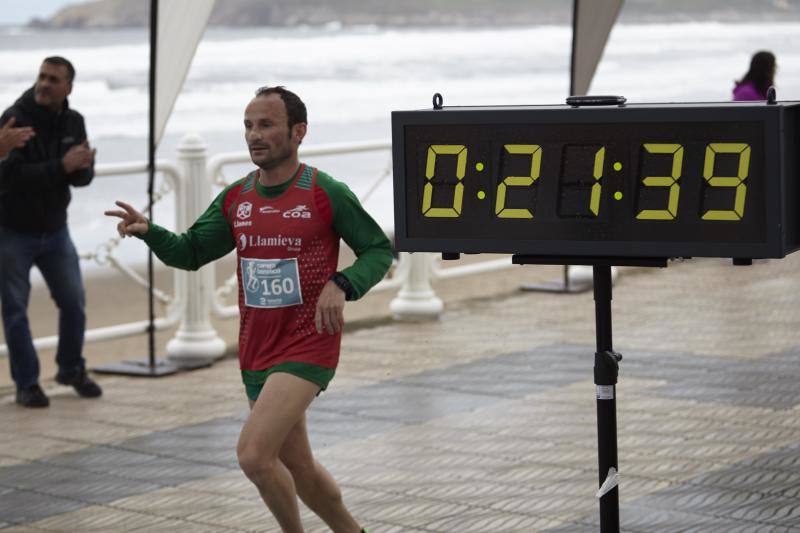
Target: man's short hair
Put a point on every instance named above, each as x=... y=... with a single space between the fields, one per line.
x=58 y=60
x=295 y=108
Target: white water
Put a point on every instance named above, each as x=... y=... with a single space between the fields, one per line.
x=351 y=80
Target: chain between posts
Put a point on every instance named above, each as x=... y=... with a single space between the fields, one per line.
x=103 y=255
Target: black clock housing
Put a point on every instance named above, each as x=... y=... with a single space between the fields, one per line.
x=644 y=180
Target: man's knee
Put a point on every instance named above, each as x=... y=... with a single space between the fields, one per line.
x=14 y=295
x=75 y=305
x=255 y=464
x=15 y=315
x=69 y=297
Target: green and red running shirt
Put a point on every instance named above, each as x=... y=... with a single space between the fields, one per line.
x=287 y=244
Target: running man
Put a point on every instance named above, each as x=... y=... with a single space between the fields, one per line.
x=285 y=220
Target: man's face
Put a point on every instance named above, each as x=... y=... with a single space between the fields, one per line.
x=52 y=86
x=266 y=130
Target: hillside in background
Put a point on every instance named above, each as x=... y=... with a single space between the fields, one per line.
x=492 y=13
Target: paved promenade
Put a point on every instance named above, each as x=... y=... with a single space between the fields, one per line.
x=483 y=421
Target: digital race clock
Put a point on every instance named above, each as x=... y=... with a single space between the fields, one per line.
x=660 y=180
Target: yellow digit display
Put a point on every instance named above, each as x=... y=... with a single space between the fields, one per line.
x=535 y=151
x=458 y=150
x=664 y=181
x=594 y=201
x=585 y=181
x=719 y=181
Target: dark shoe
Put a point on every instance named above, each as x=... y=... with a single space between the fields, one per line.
x=33 y=396
x=83 y=385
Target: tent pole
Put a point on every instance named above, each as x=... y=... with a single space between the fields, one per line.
x=574 y=46
x=565 y=285
x=151 y=171
x=149 y=368
x=565 y=269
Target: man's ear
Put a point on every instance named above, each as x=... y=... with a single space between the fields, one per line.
x=299 y=131
x=69 y=88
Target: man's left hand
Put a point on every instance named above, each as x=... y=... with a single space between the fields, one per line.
x=330 y=309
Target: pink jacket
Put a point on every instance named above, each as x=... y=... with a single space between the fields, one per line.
x=747 y=91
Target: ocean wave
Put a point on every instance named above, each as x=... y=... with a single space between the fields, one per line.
x=365 y=73
x=356 y=76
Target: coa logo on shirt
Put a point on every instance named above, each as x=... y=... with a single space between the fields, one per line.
x=300 y=211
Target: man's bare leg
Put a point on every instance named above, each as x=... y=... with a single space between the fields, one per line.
x=280 y=406
x=315 y=485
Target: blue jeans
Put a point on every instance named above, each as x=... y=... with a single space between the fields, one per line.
x=55 y=256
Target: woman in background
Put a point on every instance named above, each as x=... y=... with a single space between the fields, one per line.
x=754 y=84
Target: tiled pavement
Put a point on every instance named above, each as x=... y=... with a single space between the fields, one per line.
x=481 y=421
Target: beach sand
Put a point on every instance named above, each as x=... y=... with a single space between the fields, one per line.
x=113 y=299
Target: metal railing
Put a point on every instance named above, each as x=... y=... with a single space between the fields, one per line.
x=195 y=296
x=104 y=255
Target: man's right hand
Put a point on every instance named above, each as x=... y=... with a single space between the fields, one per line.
x=78 y=157
x=11 y=137
x=132 y=223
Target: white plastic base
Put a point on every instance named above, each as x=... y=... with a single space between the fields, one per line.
x=191 y=348
x=417 y=306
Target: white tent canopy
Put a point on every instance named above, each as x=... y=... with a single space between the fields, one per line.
x=592 y=21
x=181 y=24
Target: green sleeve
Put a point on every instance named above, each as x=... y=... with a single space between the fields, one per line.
x=208 y=239
x=361 y=233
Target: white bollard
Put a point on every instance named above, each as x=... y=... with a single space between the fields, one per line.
x=583 y=274
x=416 y=299
x=196 y=341
x=580 y=274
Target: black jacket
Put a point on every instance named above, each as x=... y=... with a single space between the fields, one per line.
x=34 y=188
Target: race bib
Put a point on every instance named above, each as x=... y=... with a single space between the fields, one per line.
x=269 y=283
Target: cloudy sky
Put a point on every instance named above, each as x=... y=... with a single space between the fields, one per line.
x=21 y=11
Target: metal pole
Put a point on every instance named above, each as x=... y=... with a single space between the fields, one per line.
x=574 y=44
x=151 y=171
x=606 y=369
x=571 y=92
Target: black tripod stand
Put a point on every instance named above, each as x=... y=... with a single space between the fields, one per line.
x=606 y=370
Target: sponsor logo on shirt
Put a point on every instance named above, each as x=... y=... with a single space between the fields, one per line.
x=268 y=210
x=300 y=211
x=259 y=241
x=244 y=210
